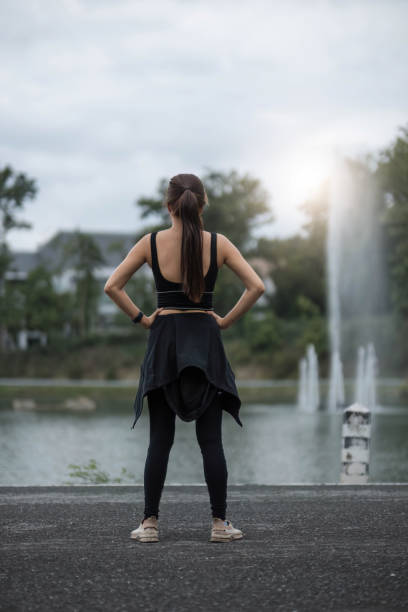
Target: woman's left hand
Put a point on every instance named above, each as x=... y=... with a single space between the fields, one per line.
x=147 y=322
x=220 y=320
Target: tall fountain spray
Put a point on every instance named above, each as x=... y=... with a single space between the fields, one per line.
x=338 y=185
x=356 y=276
x=308 y=394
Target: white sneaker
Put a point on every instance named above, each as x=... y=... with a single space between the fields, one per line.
x=150 y=533
x=225 y=532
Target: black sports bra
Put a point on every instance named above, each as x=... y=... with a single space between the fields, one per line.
x=170 y=294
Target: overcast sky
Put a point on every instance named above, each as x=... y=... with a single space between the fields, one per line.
x=99 y=100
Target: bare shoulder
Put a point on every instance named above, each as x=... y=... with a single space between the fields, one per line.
x=231 y=256
x=144 y=242
x=140 y=252
x=226 y=248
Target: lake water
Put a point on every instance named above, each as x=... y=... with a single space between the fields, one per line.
x=277 y=445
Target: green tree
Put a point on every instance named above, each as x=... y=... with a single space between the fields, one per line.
x=392 y=171
x=44 y=308
x=81 y=254
x=15 y=190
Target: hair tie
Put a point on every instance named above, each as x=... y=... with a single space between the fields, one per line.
x=180 y=186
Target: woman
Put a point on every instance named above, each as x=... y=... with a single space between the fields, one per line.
x=185 y=371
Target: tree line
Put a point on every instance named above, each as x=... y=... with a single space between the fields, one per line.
x=274 y=334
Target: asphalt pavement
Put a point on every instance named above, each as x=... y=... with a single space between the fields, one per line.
x=305 y=547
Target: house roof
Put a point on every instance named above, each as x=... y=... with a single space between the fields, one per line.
x=114 y=247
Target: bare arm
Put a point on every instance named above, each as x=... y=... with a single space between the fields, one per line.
x=114 y=286
x=252 y=281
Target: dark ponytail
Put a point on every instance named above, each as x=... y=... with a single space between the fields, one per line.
x=186 y=197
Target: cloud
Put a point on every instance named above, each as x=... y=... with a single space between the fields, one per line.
x=100 y=100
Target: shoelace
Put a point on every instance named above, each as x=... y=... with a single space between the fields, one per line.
x=226 y=523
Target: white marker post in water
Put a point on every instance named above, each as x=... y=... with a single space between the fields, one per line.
x=355 y=452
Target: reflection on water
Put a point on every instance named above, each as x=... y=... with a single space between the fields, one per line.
x=277 y=445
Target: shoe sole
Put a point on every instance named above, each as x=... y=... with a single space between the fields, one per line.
x=145 y=538
x=226 y=538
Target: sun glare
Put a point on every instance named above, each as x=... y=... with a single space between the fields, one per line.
x=305 y=173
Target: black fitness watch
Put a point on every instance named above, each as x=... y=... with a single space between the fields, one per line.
x=138 y=317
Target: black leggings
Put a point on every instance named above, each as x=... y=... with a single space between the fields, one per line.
x=208 y=432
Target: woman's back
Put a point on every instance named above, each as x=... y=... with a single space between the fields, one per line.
x=166 y=266
x=168 y=247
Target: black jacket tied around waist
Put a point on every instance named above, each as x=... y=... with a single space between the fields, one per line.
x=185 y=357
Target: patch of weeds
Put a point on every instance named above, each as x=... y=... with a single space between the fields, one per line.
x=91 y=473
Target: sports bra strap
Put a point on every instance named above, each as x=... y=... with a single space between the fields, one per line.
x=213 y=260
x=155 y=263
